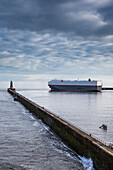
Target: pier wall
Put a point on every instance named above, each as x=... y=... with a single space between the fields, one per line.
x=82 y=143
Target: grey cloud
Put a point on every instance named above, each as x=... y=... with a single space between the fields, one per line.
x=107 y=12
x=83 y=18
x=40 y=53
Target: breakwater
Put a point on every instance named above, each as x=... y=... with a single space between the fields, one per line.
x=107 y=88
x=79 y=141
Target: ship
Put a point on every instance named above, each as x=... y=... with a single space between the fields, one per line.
x=76 y=85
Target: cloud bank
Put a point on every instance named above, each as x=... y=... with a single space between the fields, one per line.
x=30 y=52
x=55 y=38
x=81 y=17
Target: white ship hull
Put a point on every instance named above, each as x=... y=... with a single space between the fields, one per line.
x=75 y=86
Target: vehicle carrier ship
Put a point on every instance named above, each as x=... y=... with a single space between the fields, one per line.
x=76 y=85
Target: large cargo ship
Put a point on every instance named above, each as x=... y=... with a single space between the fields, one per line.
x=76 y=85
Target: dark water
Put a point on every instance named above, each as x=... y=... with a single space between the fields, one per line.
x=27 y=144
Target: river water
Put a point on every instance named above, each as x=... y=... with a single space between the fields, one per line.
x=28 y=144
x=87 y=111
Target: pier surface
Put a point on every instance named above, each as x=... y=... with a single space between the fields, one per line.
x=78 y=140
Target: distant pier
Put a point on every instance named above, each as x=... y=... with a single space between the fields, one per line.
x=107 y=88
x=78 y=140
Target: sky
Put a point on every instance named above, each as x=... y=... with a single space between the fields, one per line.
x=64 y=39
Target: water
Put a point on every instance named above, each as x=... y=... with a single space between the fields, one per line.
x=27 y=144
x=88 y=111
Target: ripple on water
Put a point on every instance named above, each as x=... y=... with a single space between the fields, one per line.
x=26 y=143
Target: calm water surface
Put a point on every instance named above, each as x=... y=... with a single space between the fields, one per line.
x=87 y=111
x=27 y=144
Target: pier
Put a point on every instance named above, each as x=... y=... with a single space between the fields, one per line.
x=107 y=88
x=79 y=141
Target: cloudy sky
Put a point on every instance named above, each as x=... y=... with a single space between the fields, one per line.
x=44 y=39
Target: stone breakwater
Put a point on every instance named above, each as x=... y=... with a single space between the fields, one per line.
x=78 y=140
